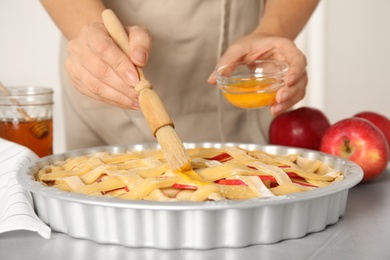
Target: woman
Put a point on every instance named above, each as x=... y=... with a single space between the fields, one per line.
x=179 y=44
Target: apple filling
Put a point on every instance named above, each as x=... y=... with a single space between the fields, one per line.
x=218 y=174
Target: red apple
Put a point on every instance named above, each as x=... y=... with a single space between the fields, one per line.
x=302 y=127
x=381 y=121
x=360 y=141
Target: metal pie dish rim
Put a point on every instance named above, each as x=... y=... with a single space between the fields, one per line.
x=353 y=174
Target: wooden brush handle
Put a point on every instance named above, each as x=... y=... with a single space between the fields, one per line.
x=154 y=110
x=151 y=105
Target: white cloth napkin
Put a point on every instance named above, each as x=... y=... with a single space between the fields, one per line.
x=16 y=204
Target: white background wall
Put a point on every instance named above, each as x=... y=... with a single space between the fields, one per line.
x=347 y=44
x=29 y=52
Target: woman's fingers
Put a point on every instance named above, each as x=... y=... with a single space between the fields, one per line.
x=90 y=86
x=288 y=96
x=100 y=69
x=139 y=45
x=256 y=47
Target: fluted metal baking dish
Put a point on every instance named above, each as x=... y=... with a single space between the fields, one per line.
x=193 y=225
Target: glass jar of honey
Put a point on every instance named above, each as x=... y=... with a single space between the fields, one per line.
x=26 y=117
x=252 y=84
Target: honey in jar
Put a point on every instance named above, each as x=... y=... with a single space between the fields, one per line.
x=36 y=135
x=26 y=118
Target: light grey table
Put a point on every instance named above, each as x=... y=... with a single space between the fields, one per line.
x=362 y=233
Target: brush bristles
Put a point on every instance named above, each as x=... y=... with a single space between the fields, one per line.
x=173 y=149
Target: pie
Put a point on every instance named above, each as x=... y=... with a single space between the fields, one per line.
x=228 y=173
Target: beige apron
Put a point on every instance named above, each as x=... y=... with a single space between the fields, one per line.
x=188 y=38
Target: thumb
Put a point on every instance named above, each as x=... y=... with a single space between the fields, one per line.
x=139 y=45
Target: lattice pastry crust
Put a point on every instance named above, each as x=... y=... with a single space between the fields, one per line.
x=219 y=174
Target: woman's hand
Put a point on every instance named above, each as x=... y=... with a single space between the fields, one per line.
x=99 y=69
x=258 y=46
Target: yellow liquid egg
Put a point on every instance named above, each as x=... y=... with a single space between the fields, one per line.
x=251 y=93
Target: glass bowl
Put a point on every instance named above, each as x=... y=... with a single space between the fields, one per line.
x=252 y=84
